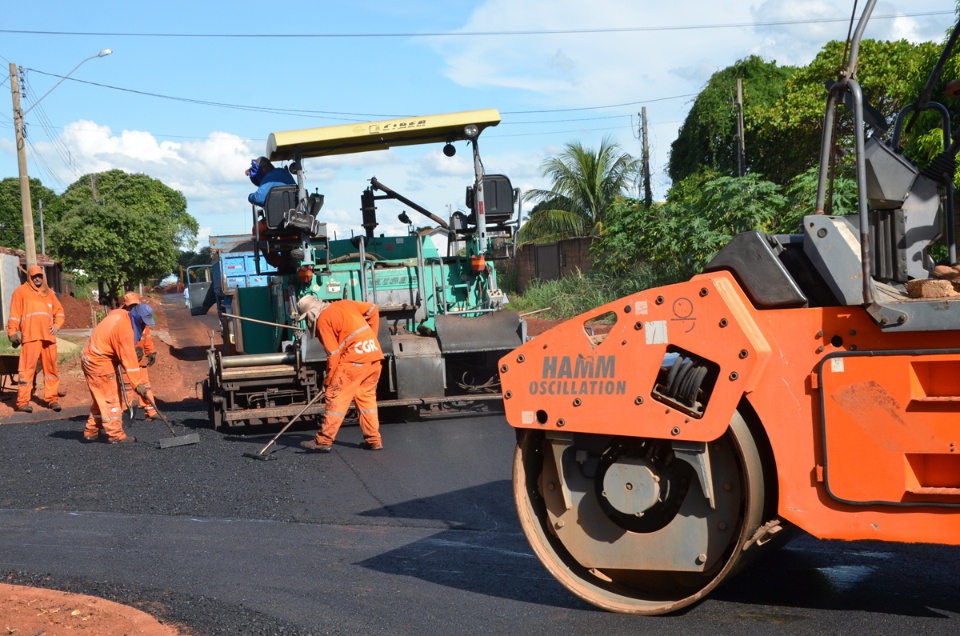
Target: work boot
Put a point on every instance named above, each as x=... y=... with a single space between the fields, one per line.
x=128 y=438
x=55 y=406
x=26 y=408
x=311 y=445
x=62 y=392
x=150 y=416
x=369 y=446
x=90 y=440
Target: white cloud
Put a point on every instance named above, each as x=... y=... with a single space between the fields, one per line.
x=514 y=73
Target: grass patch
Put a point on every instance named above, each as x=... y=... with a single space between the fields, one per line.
x=579 y=292
x=64 y=354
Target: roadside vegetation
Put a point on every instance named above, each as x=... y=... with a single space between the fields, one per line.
x=716 y=193
x=580 y=292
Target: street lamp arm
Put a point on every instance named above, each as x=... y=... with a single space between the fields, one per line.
x=26 y=209
x=102 y=53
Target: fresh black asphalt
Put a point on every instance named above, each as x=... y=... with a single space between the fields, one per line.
x=421 y=538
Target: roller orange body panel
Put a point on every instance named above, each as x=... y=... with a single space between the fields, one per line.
x=861 y=422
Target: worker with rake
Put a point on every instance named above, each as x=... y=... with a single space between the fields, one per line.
x=112 y=343
x=348 y=331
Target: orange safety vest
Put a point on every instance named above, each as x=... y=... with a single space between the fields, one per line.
x=32 y=313
x=111 y=343
x=348 y=331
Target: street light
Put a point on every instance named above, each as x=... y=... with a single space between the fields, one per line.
x=29 y=238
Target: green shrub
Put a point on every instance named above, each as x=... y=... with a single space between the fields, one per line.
x=574 y=294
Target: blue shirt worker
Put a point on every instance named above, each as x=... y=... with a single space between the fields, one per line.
x=265 y=175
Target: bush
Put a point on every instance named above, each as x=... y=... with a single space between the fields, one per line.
x=579 y=292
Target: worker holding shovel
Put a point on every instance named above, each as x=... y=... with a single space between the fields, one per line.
x=112 y=343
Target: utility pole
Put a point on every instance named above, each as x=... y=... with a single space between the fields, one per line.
x=26 y=207
x=29 y=236
x=647 y=190
x=741 y=146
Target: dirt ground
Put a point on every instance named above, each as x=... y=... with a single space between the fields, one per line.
x=181 y=365
x=29 y=610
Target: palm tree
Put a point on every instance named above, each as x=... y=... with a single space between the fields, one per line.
x=585 y=183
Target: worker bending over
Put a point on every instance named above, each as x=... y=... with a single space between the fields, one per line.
x=146 y=355
x=348 y=331
x=112 y=343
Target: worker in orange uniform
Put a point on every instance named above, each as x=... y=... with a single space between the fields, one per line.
x=348 y=331
x=36 y=316
x=146 y=347
x=112 y=343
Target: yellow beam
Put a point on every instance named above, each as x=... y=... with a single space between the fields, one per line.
x=378 y=135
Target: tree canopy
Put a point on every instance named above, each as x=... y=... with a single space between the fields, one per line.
x=708 y=136
x=121 y=229
x=139 y=193
x=784 y=110
x=11 y=212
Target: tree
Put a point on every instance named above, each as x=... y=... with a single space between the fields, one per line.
x=186 y=259
x=585 y=184
x=139 y=193
x=130 y=234
x=680 y=236
x=891 y=75
x=11 y=212
x=707 y=138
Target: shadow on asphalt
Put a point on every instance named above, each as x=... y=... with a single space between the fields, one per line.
x=804 y=574
x=496 y=563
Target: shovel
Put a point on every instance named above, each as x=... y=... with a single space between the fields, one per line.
x=123 y=390
x=176 y=440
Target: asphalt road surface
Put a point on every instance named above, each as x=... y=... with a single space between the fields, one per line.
x=421 y=538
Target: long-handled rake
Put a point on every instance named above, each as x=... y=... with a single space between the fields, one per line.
x=176 y=440
x=262 y=456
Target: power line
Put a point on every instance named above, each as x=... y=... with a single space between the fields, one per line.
x=59 y=147
x=567 y=110
x=554 y=132
x=560 y=121
x=444 y=34
x=326 y=114
x=260 y=109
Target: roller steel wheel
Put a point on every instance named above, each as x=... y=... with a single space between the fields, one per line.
x=638 y=526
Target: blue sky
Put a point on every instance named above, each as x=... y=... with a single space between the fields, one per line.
x=192 y=89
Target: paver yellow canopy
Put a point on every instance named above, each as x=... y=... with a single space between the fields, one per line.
x=379 y=135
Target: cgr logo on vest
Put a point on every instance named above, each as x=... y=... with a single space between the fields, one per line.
x=588 y=375
x=366 y=346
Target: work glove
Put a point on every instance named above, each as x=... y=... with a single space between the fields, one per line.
x=139 y=351
x=16 y=340
x=151 y=358
x=142 y=390
x=54 y=329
